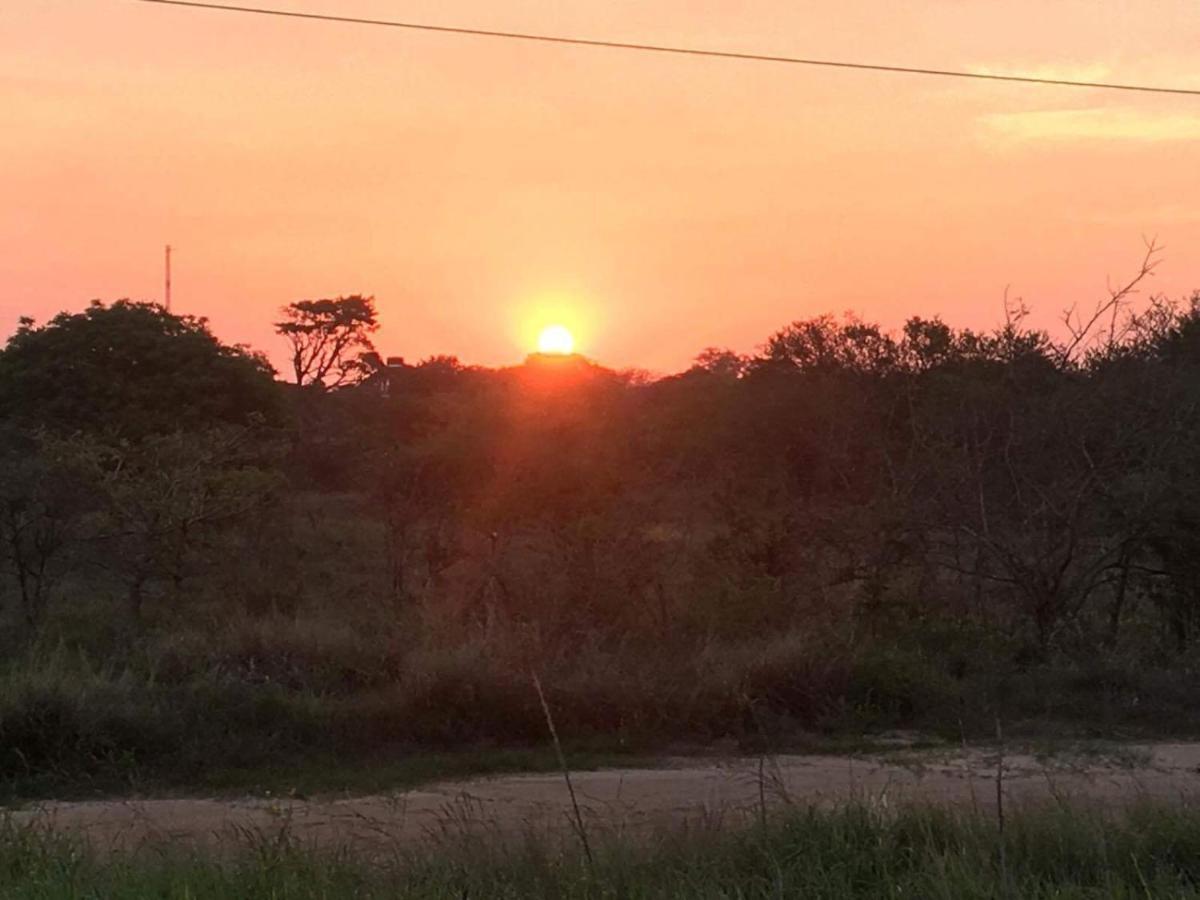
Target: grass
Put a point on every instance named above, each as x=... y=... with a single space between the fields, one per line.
x=293 y=708
x=853 y=852
x=330 y=775
x=317 y=775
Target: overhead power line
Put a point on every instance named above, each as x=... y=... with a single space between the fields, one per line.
x=682 y=51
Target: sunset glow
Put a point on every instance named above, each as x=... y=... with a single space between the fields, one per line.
x=674 y=203
x=556 y=340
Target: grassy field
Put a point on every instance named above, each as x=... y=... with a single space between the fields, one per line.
x=856 y=851
x=69 y=729
x=73 y=727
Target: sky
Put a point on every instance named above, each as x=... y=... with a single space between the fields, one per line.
x=656 y=205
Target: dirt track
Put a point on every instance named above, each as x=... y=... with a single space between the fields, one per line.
x=683 y=792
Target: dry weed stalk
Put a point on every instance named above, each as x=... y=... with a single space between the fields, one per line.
x=1004 y=882
x=580 y=829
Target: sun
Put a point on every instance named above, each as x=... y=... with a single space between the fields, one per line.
x=556 y=340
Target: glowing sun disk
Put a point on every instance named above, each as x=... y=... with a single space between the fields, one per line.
x=556 y=339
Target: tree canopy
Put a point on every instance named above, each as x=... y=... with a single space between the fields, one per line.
x=329 y=339
x=133 y=369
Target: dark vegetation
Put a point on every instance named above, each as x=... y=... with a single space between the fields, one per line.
x=850 y=531
x=859 y=852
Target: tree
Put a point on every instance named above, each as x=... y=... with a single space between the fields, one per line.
x=927 y=344
x=44 y=499
x=824 y=344
x=161 y=496
x=133 y=369
x=329 y=339
x=719 y=361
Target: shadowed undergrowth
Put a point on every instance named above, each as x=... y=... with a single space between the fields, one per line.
x=234 y=716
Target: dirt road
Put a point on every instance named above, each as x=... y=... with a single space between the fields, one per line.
x=682 y=792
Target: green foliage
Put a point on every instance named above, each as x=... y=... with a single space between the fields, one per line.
x=45 y=494
x=165 y=493
x=856 y=852
x=133 y=369
x=136 y=510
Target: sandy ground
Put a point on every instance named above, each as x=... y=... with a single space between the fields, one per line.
x=682 y=793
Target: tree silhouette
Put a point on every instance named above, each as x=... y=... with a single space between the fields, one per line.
x=329 y=338
x=131 y=368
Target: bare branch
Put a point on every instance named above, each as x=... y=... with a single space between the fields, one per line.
x=1084 y=334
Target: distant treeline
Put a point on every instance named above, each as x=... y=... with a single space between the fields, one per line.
x=1004 y=498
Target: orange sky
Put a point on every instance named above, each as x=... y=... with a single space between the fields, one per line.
x=658 y=204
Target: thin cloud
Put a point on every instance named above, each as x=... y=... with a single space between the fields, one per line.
x=1099 y=124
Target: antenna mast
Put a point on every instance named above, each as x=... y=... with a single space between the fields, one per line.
x=167 y=295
